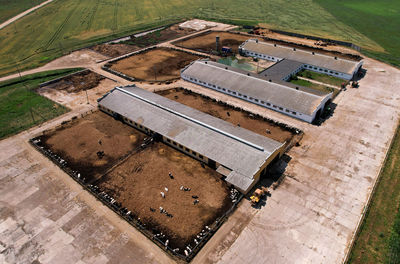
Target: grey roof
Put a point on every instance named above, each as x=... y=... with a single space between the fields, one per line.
x=252 y=85
x=238 y=149
x=321 y=60
x=282 y=69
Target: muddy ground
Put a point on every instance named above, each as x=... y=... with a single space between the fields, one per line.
x=114 y=50
x=228 y=114
x=136 y=43
x=79 y=141
x=206 y=43
x=78 y=82
x=160 y=64
x=138 y=182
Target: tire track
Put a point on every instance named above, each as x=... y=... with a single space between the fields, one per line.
x=60 y=28
x=94 y=11
x=115 y=18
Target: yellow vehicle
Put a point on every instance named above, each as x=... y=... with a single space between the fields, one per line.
x=258 y=194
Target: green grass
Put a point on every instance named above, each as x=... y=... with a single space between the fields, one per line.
x=377 y=20
x=315 y=86
x=19 y=102
x=379 y=238
x=11 y=8
x=320 y=77
x=71 y=24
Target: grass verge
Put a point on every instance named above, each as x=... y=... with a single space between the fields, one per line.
x=320 y=77
x=315 y=86
x=378 y=240
x=21 y=107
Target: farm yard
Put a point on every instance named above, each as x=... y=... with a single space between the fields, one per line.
x=138 y=182
x=160 y=64
x=80 y=141
x=206 y=42
x=135 y=43
x=121 y=161
x=229 y=114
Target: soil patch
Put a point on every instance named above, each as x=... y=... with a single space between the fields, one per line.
x=79 y=141
x=138 y=182
x=136 y=43
x=160 y=64
x=206 y=42
x=229 y=114
x=78 y=82
x=114 y=50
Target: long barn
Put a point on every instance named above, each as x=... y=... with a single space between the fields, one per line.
x=239 y=155
x=311 y=60
x=275 y=94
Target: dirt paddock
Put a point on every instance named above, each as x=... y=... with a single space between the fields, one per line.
x=136 y=176
x=79 y=141
x=206 y=42
x=229 y=114
x=160 y=64
x=138 y=182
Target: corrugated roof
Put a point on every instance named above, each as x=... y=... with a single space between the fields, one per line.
x=320 y=60
x=252 y=85
x=238 y=149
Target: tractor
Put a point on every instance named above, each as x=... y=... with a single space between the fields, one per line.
x=258 y=194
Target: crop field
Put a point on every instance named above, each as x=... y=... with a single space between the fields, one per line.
x=379 y=238
x=160 y=64
x=135 y=172
x=21 y=107
x=10 y=8
x=66 y=25
x=236 y=117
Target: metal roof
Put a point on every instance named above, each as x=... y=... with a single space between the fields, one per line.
x=238 y=149
x=316 y=59
x=253 y=85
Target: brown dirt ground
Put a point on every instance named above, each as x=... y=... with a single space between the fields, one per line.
x=119 y=49
x=78 y=142
x=166 y=62
x=235 y=117
x=206 y=42
x=137 y=184
x=114 y=50
x=78 y=82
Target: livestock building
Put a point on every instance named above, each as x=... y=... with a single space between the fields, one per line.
x=240 y=155
x=295 y=101
x=313 y=61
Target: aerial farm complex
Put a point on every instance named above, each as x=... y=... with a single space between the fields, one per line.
x=198 y=158
x=173 y=135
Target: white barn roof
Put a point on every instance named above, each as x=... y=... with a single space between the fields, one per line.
x=241 y=151
x=316 y=59
x=255 y=86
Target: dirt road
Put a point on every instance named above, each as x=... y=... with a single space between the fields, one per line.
x=8 y=22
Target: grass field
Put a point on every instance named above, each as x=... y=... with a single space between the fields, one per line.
x=320 y=77
x=377 y=20
x=21 y=108
x=10 y=8
x=315 y=86
x=379 y=237
x=66 y=25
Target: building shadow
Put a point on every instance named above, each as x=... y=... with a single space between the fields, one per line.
x=271 y=180
x=360 y=74
x=326 y=114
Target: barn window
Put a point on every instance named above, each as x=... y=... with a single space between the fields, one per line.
x=287 y=110
x=187 y=149
x=280 y=108
x=268 y=104
x=201 y=156
x=256 y=100
x=262 y=102
x=274 y=106
x=245 y=96
x=173 y=142
x=294 y=113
